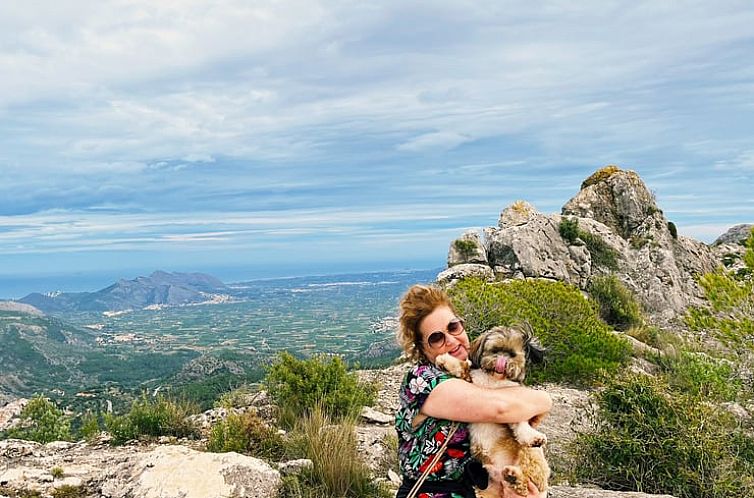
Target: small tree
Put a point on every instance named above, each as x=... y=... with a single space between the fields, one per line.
x=42 y=421
x=300 y=385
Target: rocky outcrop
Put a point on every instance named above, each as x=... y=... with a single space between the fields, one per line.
x=180 y=472
x=468 y=248
x=735 y=235
x=171 y=471
x=616 y=227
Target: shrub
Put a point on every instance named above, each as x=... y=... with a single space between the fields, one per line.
x=651 y=439
x=465 y=247
x=237 y=398
x=154 y=417
x=649 y=335
x=701 y=375
x=602 y=254
x=68 y=491
x=581 y=349
x=246 y=433
x=569 y=229
x=57 y=472
x=19 y=493
x=90 y=427
x=617 y=305
x=42 y=421
x=749 y=255
x=673 y=229
x=297 y=386
x=338 y=469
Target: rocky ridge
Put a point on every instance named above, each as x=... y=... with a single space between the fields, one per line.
x=615 y=208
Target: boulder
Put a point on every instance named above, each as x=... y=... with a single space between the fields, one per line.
x=735 y=235
x=10 y=412
x=616 y=198
x=180 y=472
x=462 y=271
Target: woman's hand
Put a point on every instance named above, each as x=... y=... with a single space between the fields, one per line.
x=509 y=493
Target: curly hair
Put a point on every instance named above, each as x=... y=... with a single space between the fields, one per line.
x=418 y=302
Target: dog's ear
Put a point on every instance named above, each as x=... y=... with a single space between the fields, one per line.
x=533 y=349
x=477 y=348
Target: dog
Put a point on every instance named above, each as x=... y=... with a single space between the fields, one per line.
x=497 y=359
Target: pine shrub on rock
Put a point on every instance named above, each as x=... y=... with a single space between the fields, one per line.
x=42 y=421
x=581 y=348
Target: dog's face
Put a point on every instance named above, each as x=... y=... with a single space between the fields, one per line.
x=504 y=351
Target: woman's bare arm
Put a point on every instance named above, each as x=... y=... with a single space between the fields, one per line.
x=459 y=400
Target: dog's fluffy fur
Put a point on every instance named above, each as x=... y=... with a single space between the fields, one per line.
x=497 y=359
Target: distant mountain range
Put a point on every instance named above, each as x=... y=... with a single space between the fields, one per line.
x=160 y=288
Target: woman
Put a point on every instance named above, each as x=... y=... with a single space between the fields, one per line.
x=432 y=399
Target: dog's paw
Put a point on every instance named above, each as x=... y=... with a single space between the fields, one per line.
x=538 y=441
x=528 y=436
x=515 y=478
x=454 y=366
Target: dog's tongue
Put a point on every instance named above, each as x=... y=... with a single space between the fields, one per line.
x=500 y=364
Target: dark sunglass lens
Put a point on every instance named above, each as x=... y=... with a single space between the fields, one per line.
x=436 y=339
x=455 y=327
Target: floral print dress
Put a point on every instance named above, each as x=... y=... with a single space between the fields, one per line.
x=417 y=446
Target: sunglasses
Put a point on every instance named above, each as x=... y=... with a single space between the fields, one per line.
x=437 y=339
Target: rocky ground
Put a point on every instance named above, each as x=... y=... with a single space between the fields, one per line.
x=179 y=468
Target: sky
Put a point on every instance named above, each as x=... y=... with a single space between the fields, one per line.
x=266 y=138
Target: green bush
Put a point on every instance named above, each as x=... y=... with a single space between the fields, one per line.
x=602 y=254
x=617 y=305
x=248 y=434
x=569 y=229
x=649 y=438
x=581 y=349
x=297 y=386
x=90 y=427
x=701 y=375
x=728 y=314
x=673 y=229
x=465 y=247
x=338 y=468
x=153 y=417
x=42 y=421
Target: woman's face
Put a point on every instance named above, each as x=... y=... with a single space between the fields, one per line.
x=454 y=340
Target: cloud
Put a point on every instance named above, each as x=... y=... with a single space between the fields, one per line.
x=437 y=141
x=125 y=121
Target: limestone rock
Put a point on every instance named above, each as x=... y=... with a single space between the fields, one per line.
x=518 y=213
x=735 y=235
x=180 y=472
x=573 y=492
x=616 y=198
x=295 y=466
x=462 y=271
x=467 y=248
x=371 y=415
x=10 y=412
x=616 y=215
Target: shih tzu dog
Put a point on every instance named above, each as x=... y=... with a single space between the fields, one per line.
x=498 y=359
